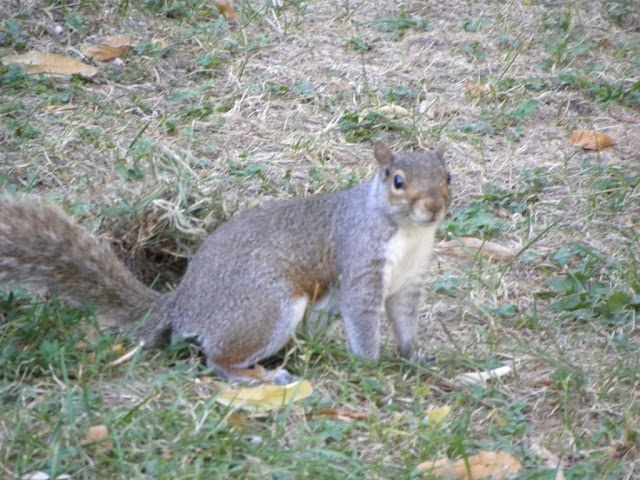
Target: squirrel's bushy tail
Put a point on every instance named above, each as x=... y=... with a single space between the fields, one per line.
x=40 y=245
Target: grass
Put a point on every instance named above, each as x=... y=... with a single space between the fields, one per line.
x=207 y=117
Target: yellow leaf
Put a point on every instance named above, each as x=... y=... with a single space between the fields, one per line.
x=590 y=140
x=393 y=110
x=265 y=397
x=96 y=433
x=50 y=64
x=438 y=415
x=484 y=465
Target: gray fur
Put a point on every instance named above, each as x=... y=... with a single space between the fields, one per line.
x=246 y=289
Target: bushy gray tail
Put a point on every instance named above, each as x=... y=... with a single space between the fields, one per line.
x=40 y=245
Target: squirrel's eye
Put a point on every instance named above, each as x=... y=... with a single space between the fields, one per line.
x=448 y=178
x=398 y=182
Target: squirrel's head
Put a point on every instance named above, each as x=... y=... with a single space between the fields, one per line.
x=416 y=184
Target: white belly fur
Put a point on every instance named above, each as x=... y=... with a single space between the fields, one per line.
x=408 y=254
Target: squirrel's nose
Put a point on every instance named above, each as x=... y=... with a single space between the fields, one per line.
x=428 y=208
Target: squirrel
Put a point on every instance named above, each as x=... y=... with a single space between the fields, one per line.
x=249 y=284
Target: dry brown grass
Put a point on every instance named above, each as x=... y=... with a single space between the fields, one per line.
x=282 y=83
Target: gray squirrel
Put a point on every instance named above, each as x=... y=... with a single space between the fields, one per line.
x=250 y=283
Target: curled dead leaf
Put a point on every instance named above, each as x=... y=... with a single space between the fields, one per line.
x=50 y=64
x=489 y=250
x=161 y=41
x=590 y=140
x=393 y=111
x=484 y=465
x=114 y=46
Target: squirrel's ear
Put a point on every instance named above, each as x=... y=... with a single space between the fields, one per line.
x=383 y=154
x=440 y=149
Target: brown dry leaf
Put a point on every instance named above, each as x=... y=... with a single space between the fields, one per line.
x=489 y=250
x=590 y=140
x=118 y=41
x=484 y=465
x=477 y=89
x=114 y=46
x=104 y=52
x=265 y=397
x=96 y=433
x=50 y=64
x=227 y=10
x=344 y=415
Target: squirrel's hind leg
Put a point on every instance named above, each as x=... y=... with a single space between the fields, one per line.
x=289 y=314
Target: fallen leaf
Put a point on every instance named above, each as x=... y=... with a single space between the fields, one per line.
x=96 y=433
x=489 y=250
x=344 y=415
x=388 y=110
x=265 y=397
x=162 y=41
x=590 y=140
x=104 y=52
x=484 y=465
x=476 y=378
x=118 y=41
x=227 y=10
x=111 y=47
x=127 y=356
x=477 y=89
x=50 y=64
x=393 y=110
x=438 y=415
